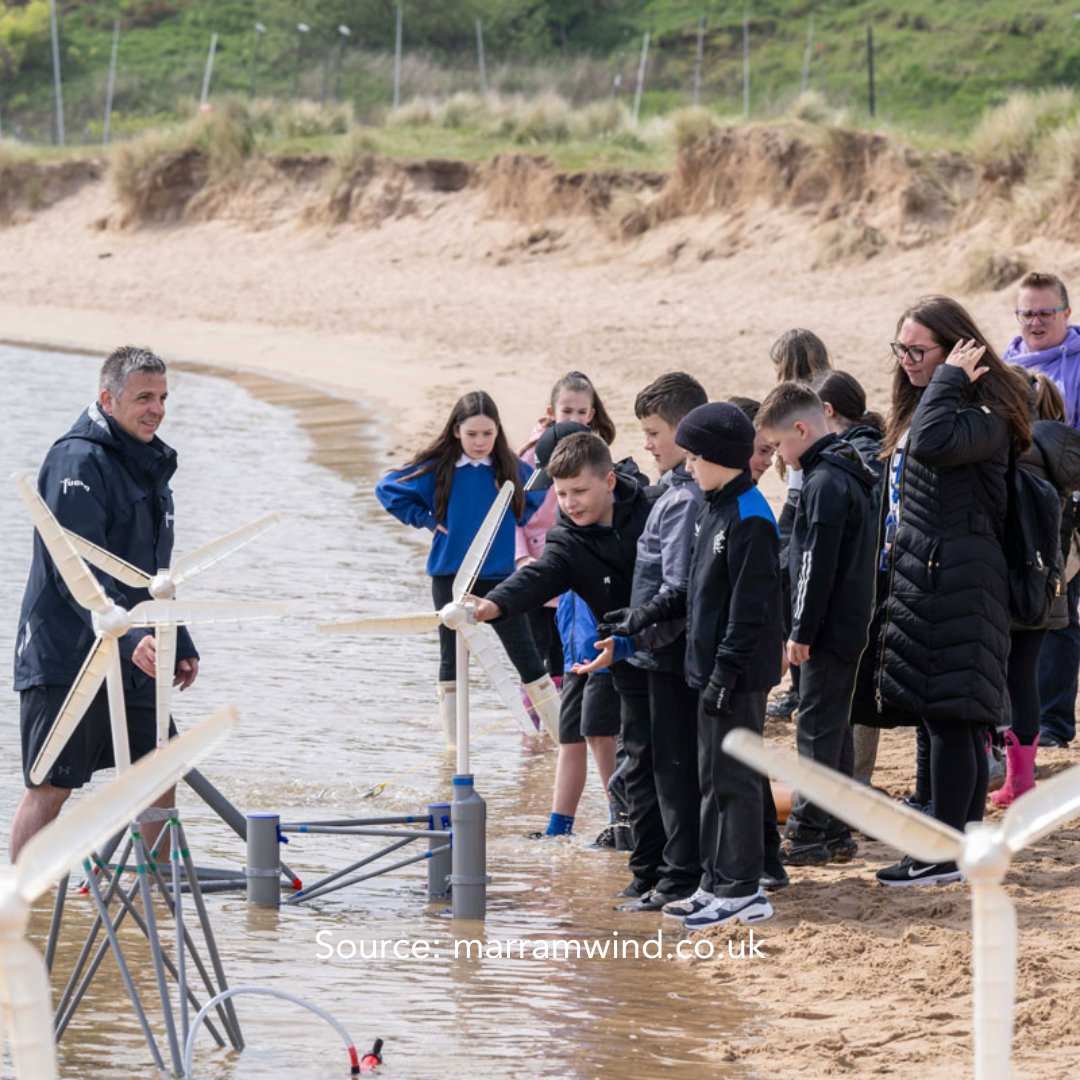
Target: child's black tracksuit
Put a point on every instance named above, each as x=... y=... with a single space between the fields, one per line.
x=831 y=563
x=596 y=562
x=734 y=640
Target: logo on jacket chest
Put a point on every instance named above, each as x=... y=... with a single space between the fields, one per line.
x=719 y=541
x=67 y=483
x=169 y=519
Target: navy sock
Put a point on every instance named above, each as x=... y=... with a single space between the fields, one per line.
x=560 y=824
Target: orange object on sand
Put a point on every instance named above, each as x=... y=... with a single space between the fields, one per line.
x=781 y=794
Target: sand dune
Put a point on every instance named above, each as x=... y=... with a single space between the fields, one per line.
x=408 y=290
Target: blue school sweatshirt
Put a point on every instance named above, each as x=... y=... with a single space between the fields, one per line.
x=471 y=495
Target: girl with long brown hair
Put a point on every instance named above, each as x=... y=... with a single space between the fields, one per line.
x=448 y=488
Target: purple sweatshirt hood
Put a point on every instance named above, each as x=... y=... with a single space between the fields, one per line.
x=1060 y=364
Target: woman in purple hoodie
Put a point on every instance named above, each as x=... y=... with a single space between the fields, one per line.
x=1049 y=346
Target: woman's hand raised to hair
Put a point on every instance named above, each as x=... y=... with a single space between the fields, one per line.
x=966 y=355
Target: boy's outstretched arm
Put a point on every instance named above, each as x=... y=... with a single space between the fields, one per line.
x=530 y=587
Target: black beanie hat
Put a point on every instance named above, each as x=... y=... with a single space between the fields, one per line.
x=718 y=432
x=545 y=447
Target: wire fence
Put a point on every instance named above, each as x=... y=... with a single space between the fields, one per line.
x=118 y=96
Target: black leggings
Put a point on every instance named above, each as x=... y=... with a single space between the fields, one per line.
x=1024 y=684
x=546 y=636
x=513 y=633
x=958 y=771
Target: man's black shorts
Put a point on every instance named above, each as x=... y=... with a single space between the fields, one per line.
x=90 y=747
x=589 y=705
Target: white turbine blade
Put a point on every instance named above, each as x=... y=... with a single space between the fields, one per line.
x=1039 y=812
x=166 y=665
x=869 y=811
x=82 y=584
x=187 y=566
x=83 y=690
x=993 y=934
x=182 y=612
x=385 y=624
x=114 y=688
x=481 y=545
x=487 y=656
x=109 y=563
x=52 y=851
x=24 y=994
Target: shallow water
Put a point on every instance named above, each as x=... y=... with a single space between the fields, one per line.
x=323 y=719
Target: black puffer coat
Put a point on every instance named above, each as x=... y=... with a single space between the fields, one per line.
x=940 y=640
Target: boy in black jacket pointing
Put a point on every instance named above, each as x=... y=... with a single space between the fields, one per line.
x=733 y=653
x=831 y=561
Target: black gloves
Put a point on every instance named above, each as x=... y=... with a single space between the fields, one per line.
x=716 y=699
x=623 y=622
x=628 y=621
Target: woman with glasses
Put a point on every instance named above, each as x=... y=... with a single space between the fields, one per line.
x=1048 y=345
x=940 y=641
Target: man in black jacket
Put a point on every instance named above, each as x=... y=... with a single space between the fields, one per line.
x=107 y=480
x=831 y=562
x=591 y=549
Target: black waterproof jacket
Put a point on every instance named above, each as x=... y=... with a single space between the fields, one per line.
x=940 y=640
x=831 y=556
x=734 y=628
x=112 y=490
x=596 y=561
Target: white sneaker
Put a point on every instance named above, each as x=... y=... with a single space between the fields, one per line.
x=743 y=909
x=680 y=909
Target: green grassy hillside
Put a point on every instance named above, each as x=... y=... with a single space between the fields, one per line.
x=939 y=65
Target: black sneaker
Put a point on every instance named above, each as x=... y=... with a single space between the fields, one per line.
x=909 y=871
x=774 y=878
x=842 y=849
x=604 y=839
x=636 y=888
x=804 y=852
x=783 y=705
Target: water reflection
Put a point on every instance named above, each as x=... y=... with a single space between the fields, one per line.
x=324 y=719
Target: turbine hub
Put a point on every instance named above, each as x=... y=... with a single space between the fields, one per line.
x=161 y=586
x=453 y=615
x=114 y=622
x=985 y=858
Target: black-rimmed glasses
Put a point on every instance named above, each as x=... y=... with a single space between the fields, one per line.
x=916 y=352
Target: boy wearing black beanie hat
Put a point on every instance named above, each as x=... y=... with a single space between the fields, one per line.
x=733 y=654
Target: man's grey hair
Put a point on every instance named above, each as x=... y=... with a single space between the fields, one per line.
x=122 y=362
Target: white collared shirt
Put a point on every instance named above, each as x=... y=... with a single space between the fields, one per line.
x=466 y=460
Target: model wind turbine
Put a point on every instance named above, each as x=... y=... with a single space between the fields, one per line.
x=111 y=622
x=458 y=616
x=162 y=586
x=983 y=852
x=24 y=982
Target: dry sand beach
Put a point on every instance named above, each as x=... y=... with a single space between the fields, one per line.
x=504 y=276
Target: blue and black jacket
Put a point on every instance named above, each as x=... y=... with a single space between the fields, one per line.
x=112 y=490
x=731 y=603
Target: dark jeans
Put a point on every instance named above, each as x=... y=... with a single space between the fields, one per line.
x=1059 y=662
x=732 y=837
x=673 y=711
x=958 y=771
x=616 y=786
x=513 y=633
x=1024 y=684
x=646 y=824
x=823 y=734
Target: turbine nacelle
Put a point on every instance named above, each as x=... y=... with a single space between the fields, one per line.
x=162 y=586
x=113 y=622
x=456 y=615
x=985 y=859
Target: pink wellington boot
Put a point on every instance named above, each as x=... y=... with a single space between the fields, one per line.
x=1019 y=769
